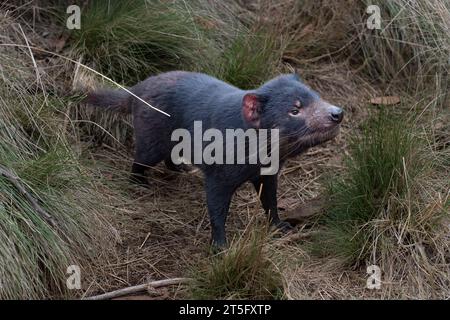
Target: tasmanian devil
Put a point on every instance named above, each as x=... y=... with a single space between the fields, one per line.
x=301 y=117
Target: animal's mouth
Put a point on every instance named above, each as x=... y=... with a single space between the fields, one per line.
x=311 y=139
x=317 y=137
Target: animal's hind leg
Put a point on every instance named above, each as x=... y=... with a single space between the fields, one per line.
x=143 y=159
x=138 y=174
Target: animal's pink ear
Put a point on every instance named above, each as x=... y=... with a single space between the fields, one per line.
x=251 y=109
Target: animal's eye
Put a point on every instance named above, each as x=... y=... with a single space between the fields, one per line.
x=294 y=112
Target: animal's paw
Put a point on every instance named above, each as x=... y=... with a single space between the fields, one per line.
x=217 y=248
x=284 y=226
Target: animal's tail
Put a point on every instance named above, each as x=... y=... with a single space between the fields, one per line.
x=113 y=100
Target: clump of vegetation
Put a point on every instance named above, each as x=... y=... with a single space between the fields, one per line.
x=244 y=271
x=129 y=40
x=412 y=48
x=391 y=203
x=409 y=53
x=51 y=215
x=250 y=60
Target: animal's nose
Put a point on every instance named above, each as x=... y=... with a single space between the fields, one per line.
x=336 y=114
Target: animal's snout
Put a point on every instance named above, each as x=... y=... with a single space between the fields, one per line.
x=336 y=114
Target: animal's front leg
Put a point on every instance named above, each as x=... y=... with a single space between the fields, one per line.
x=218 y=198
x=266 y=187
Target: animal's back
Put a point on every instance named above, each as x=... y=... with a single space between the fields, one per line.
x=186 y=97
x=200 y=96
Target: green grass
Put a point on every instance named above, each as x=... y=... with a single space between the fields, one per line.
x=250 y=60
x=34 y=254
x=36 y=149
x=382 y=199
x=128 y=40
x=243 y=271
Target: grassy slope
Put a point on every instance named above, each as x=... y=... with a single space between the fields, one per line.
x=383 y=188
x=36 y=153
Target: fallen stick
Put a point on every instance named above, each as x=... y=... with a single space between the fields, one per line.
x=139 y=288
x=34 y=203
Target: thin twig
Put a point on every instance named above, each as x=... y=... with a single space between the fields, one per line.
x=90 y=69
x=34 y=203
x=139 y=288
